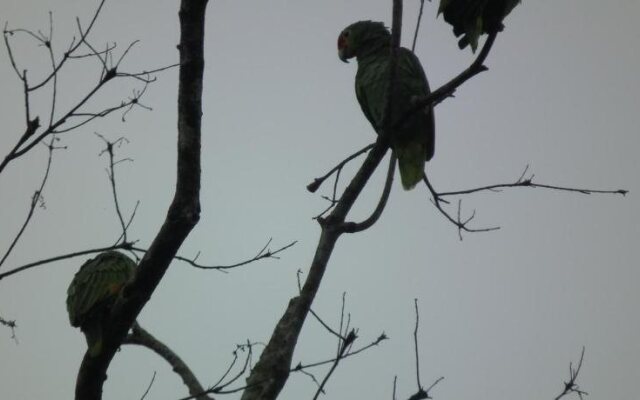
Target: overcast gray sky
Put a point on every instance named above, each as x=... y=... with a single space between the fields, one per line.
x=502 y=313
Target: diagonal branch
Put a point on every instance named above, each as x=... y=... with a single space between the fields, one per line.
x=35 y=200
x=141 y=337
x=272 y=370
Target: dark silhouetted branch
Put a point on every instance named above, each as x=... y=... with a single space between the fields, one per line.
x=415 y=34
x=68 y=120
x=183 y=213
x=35 y=200
x=141 y=337
x=353 y=227
x=272 y=370
x=264 y=253
x=523 y=181
x=11 y=324
x=571 y=386
x=528 y=182
x=146 y=392
x=120 y=246
x=317 y=182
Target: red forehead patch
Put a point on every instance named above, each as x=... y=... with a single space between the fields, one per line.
x=341 y=42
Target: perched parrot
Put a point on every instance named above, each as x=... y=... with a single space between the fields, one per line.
x=413 y=139
x=472 y=18
x=93 y=291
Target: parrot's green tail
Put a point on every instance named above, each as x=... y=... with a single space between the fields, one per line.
x=411 y=160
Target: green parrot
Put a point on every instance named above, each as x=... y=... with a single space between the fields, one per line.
x=472 y=18
x=93 y=291
x=413 y=140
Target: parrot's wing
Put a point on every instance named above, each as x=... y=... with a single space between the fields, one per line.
x=414 y=84
x=97 y=282
x=365 y=105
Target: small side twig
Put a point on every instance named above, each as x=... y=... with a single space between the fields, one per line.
x=35 y=200
x=461 y=224
x=111 y=173
x=146 y=392
x=11 y=324
x=415 y=344
x=415 y=34
x=317 y=182
x=571 y=386
x=264 y=253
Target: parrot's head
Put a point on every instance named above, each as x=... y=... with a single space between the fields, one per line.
x=361 y=35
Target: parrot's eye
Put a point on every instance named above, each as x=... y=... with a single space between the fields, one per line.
x=346 y=34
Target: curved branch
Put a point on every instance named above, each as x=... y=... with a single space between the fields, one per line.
x=353 y=227
x=141 y=337
x=122 y=246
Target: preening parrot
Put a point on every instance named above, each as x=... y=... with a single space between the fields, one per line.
x=413 y=140
x=472 y=18
x=93 y=291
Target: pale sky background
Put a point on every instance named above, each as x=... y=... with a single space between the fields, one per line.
x=502 y=313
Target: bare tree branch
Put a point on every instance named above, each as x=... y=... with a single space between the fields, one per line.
x=317 y=182
x=272 y=370
x=141 y=337
x=30 y=138
x=120 y=246
x=35 y=200
x=523 y=181
x=265 y=252
x=571 y=386
x=415 y=34
x=183 y=213
x=146 y=392
x=415 y=344
x=11 y=324
x=528 y=182
x=353 y=227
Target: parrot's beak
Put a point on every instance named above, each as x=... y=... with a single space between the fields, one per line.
x=342 y=54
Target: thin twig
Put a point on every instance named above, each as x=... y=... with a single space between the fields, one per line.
x=415 y=34
x=571 y=386
x=111 y=172
x=264 y=253
x=462 y=225
x=120 y=246
x=352 y=353
x=35 y=200
x=317 y=182
x=11 y=324
x=153 y=378
x=415 y=344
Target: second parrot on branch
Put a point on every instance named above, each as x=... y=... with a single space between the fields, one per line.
x=413 y=139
